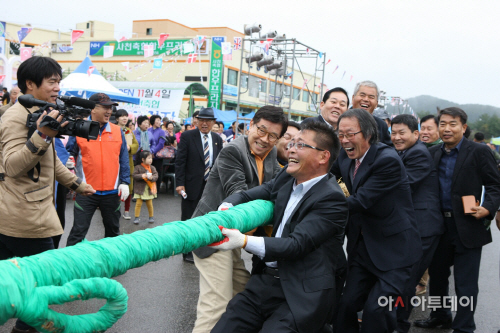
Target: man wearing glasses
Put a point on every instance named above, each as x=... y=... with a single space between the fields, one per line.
x=382 y=239
x=244 y=163
x=292 y=288
x=104 y=165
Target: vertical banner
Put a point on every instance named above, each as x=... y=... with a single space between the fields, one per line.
x=2 y=37
x=216 y=65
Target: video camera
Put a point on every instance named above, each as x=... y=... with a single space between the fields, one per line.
x=69 y=108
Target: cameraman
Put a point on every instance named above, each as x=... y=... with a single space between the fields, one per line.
x=28 y=166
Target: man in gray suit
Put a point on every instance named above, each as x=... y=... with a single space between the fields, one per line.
x=243 y=164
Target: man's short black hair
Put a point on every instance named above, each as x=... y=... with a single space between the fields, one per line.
x=324 y=138
x=121 y=113
x=221 y=123
x=195 y=114
x=479 y=136
x=153 y=118
x=429 y=116
x=141 y=119
x=293 y=124
x=4 y=89
x=454 y=112
x=36 y=69
x=366 y=122
x=326 y=96
x=406 y=119
x=273 y=114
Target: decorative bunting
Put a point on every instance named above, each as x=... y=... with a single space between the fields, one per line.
x=2 y=77
x=304 y=85
x=320 y=55
x=26 y=53
x=108 y=51
x=335 y=69
x=75 y=34
x=162 y=39
x=350 y=79
x=328 y=61
x=122 y=39
x=126 y=65
x=158 y=63
x=343 y=75
x=23 y=33
x=192 y=58
x=237 y=43
x=90 y=70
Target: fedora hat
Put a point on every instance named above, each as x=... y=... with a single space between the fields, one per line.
x=206 y=113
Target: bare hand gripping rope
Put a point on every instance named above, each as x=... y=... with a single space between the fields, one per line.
x=28 y=285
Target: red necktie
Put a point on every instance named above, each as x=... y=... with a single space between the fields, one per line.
x=358 y=162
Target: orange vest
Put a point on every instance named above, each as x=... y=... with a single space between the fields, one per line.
x=101 y=159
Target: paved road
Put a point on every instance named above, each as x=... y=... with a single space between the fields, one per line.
x=163 y=294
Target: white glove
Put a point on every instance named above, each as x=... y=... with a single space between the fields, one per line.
x=225 y=206
x=233 y=239
x=123 y=192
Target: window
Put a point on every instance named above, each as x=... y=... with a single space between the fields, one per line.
x=263 y=85
x=232 y=77
x=314 y=98
x=195 y=78
x=305 y=96
x=253 y=86
x=88 y=25
x=149 y=31
x=244 y=81
x=287 y=90
x=296 y=94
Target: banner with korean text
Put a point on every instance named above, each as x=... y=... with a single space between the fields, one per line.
x=136 y=47
x=216 y=66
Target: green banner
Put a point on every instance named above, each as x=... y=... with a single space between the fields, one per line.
x=216 y=66
x=136 y=47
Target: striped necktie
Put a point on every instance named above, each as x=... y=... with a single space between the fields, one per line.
x=356 y=168
x=206 y=154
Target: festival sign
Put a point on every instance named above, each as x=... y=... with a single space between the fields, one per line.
x=136 y=47
x=216 y=66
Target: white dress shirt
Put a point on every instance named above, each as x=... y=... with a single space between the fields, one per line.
x=210 y=146
x=256 y=245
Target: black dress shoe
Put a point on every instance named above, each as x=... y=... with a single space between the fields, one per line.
x=433 y=323
x=188 y=257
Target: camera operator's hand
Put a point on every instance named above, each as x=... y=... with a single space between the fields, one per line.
x=89 y=190
x=45 y=130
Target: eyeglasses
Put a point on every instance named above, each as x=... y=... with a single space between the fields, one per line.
x=300 y=145
x=202 y=120
x=348 y=136
x=261 y=131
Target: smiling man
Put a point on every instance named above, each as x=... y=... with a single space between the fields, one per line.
x=382 y=238
x=334 y=103
x=366 y=97
x=104 y=165
x=244 y=163
x=292 y=288
x=429 y=131
x=422 y=176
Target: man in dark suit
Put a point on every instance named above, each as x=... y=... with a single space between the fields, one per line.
x=292 y=288
x=335 y=102
x=382 y=239
x=244 y=163
x=424 y=185
x=196 y=153
x=366 y=97
x=464 y=167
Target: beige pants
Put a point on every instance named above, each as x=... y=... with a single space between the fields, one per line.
x=222 y=275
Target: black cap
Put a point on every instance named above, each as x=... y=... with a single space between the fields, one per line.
x=206 y=113
x=102 y=99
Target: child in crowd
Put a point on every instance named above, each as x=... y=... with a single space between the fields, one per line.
x=145 y=176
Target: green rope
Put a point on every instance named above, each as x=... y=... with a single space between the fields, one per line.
x=28 y=285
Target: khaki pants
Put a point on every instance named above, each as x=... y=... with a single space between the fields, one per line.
x=222 y=276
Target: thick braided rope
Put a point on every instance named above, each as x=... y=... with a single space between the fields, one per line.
x=28 y=285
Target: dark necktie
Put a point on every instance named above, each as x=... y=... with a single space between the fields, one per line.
x=206 y=154
x=358 y=162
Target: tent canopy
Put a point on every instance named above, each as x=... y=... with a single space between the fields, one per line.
x=81 y=84
x=196 y=89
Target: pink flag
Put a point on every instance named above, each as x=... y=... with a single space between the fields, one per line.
x=148 y=51
x=304 y=85
x=90 y=70
x=162 y=39
x=328 y=61
x=335 y=69
x=350 y=79
x=126 y=65
x=1 y=78
x=191 y=58
x=122 y=39
x=25 y=53
x=75 y=34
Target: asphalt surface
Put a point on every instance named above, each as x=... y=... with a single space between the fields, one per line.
x=163 y=294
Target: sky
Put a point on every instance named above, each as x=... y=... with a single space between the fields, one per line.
x=447 y=49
